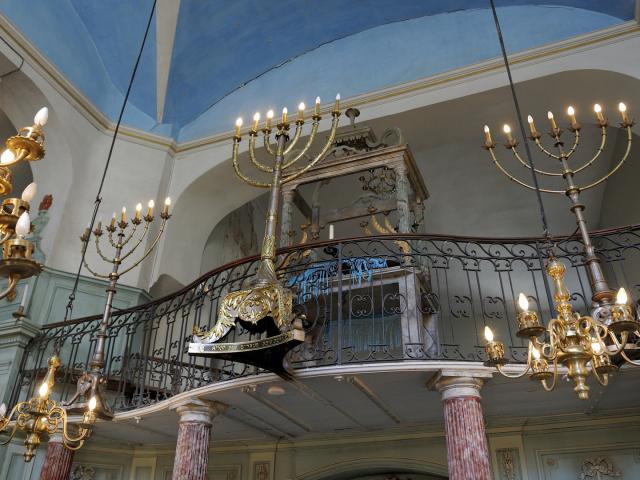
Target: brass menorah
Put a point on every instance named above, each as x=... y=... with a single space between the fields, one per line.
x=266 y=296
x=602 y=294
x=119 y=234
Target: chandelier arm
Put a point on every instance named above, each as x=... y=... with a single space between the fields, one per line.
x=519 y=182
x=266 y=135
x=99 y=250
x=99 y=275
x=242 y=176
x=617 y=167
x=12 y=434
x=628 y=360
x=149 y=250
x=65 y=430
x=325 y=149
x=555 y=378
x=138 y=242
x=312 y=137
x=13 y=282
x=604 y=380
x=619 y=344
x=130 y=236
x=597 y=154
x=519 y=375
x=6 y=237
x=252 y=154
x=545 y=151
x=537 y=170
x=296 y=137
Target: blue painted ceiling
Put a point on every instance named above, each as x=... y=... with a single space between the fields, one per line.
x=234 y=55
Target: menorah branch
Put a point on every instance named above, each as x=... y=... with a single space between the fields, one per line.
x=296 y=136
x=252 y=154
x=138 y=241
x=310 y=140
x=242 y=176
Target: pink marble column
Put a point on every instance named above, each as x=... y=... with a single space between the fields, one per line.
x=467 y=449
x=57 y=462
x=194 y=432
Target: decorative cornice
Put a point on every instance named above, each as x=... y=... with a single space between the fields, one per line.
x=74 y=96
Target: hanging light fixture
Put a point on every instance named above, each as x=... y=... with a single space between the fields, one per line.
x=40 y=415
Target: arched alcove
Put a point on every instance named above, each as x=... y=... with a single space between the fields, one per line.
x=378 y=469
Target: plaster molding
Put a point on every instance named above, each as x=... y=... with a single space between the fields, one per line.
x=48 y=71
x=455 y=386
x=200 y=411
x=17 y=333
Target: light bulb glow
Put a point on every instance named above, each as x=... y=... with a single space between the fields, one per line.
x=29 y=192
x=488 y=334
x=486 y=129
x=597 y=108
x=7 y=157
x=506 y=128
x=239 y=122
x=549 y=115
x=523 y=302
x=596 y=347
x=571 y=111
x=151 y=204
x=167 y=201
x=529 y=119
x=622 y=107
x=43 y=390
x=285 y=111
x=139 y=207
x=256 y=117
x=3 y=410
x=302 y=106
x=270 y=114
x=23 y=225
x=41 y=117
x=92 y=404
x=338 y=96
x=317 y=99
x=622 y=297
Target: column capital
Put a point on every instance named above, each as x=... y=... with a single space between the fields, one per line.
x=459 y=384
x=199 y=411
x=288 y=194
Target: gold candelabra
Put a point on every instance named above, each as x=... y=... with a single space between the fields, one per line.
x=267 y=297
x=584 y=345
x=119 y=233
x=17 y=262
x=42 y=416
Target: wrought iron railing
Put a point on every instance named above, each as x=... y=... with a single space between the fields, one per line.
x=371 y=299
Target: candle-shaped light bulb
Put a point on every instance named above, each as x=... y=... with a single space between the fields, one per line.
x=301 y=108
x=269 y=118
x=238 y=126
x=256 y=120
x=336 y=107
x=488 y=334
x=92 y=403
x=487 y=135
x=552 y=121
x=507 y=132
x=331 y=232
x=623 y=111
x=317 y=109
x=25 y=293
x=138 y=211
x=285 y=112
x=99 y=226
x=43 y=390
x=572 y=115
x=598 y=109
x=123 y=216
x=150 y=209
x=596 y=348
x=29 y=192
x=113 y=220
x=167 y=204
x=523 y=302
x=532 y=126
x=40 y=120
x=621 y=297
x=7 y=157
x=23 y=225
x=3 y=410
x=536 y=353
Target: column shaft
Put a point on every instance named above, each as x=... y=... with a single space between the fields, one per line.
x=192 y=451
x=57 y=461
x=402 y=198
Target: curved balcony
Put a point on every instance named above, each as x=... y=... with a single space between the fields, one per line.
x=370 y=299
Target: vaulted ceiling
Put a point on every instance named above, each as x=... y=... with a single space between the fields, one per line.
x=205 y=62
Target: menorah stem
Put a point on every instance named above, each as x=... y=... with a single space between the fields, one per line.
x=267 y=271
x=601 y=293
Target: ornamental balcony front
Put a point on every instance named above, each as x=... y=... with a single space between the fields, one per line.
x=387 y=298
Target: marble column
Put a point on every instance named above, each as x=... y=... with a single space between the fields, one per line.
x=57 y=461
x=467 y=448
x=402 y=199
x=194 y=432
x=287 y=218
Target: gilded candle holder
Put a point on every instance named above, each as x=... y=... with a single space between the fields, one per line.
x=623 y=319
x=495 y=353
x=602 y=364
x=539 y=369
x=529 y=324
